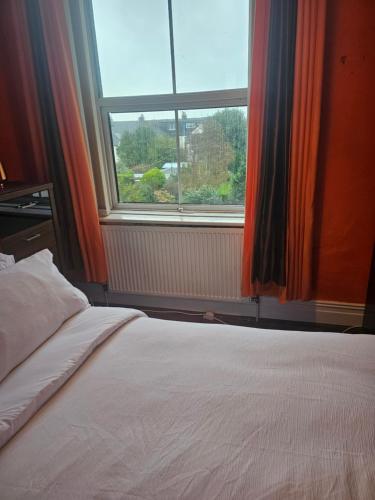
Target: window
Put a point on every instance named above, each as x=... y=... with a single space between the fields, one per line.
x=173 y=101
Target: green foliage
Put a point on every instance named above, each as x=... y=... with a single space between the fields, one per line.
x=172 y=186
x=202 y=195
x=211 y=156
x=133 y=148
x=165 y=150
x=238 y=180
x=218 y=159
x=126 y=176
x=209 y=195
x=154 y=178
x=129 y=191
x=145 y=148
x=149 y=189
x=215 y=170
x=233 y=123
x=163 y=196
x=225 y=192
x=144 y=152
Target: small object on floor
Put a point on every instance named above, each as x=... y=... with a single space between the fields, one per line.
x=209 y=316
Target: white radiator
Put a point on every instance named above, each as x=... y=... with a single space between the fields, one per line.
x=179 y=261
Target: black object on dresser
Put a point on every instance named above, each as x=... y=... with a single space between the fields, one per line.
x=28 y=221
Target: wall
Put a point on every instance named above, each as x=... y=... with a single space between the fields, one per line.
x=12 y=142
x=21 y=140
x=346 y=188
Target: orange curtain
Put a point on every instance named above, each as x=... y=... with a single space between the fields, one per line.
x=72 y=139
x=41 y=135
x=304 y=137
x=307 y=98
x=255 y=134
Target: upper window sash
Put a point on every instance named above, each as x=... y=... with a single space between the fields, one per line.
x=222 y=39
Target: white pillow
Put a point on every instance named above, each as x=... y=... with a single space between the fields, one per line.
x=35 y=299
x=6 y=261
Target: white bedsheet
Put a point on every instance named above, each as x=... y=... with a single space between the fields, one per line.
x=168 y=410
x=41 y=375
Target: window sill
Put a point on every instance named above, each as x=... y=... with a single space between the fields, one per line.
x=174 y=219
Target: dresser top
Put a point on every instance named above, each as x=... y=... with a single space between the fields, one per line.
x=14 y=189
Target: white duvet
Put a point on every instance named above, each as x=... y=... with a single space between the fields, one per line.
x=168 y=410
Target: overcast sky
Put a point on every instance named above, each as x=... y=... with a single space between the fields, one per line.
x=210 y=38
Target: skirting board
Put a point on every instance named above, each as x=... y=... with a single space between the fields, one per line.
x=333 y=313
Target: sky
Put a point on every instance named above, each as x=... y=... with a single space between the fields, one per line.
x=210 y=39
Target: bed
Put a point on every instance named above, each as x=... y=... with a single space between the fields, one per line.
x=116 y=405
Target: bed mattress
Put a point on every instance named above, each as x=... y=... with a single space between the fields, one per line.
x=136 y=408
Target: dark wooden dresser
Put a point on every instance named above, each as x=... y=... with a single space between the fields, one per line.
x=28 y=221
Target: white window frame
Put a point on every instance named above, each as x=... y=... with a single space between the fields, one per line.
x=142 y=104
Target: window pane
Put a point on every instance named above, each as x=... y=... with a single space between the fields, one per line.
x=213 y=156
x=211 y=44
x=144 y=147
x=133 y=46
